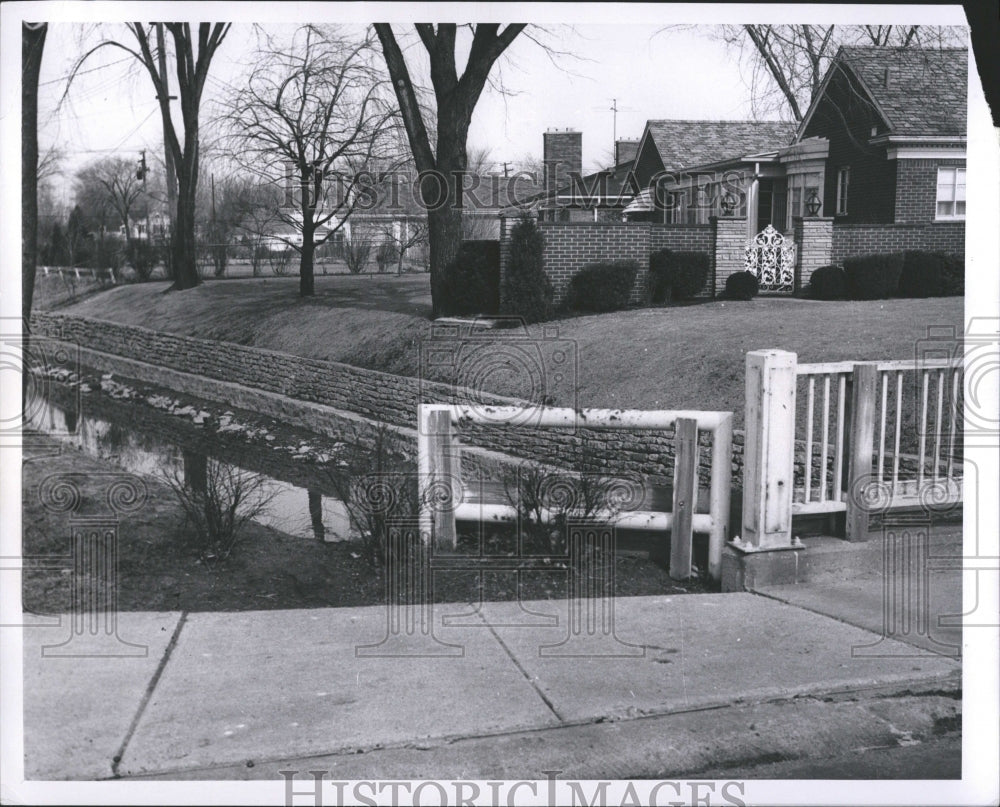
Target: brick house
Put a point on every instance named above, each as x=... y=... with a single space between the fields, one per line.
x=880 y=152
x=883 y=143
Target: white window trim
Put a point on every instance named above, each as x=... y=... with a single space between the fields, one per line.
x=954 y=202
x=843 y=190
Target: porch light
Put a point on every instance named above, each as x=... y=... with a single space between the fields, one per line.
x=728 y=203
x=813 y=204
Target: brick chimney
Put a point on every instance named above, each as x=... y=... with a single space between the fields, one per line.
x=625 y=149
x=562 y=154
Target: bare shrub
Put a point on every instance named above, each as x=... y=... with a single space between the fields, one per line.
x=375 y=492
x=218 y=500
x=547 y=500
x=280 y=260
x=357 y=250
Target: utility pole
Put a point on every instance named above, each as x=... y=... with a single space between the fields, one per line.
x=614 y=128
x=505 y=167
x=141 y=174
x=168 y=157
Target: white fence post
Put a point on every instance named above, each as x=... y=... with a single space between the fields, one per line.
x=437 y=476
x=685 y=493
x=769 y=452
x=862 y=431
x=720 y=492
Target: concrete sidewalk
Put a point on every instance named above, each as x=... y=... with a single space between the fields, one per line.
x=500 y=690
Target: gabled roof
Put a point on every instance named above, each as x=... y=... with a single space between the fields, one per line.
x=691 y=143
x=924 y=93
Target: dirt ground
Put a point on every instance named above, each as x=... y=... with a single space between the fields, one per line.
x=159 y=566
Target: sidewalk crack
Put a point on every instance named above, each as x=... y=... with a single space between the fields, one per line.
x=524 y=672
x=148 y=694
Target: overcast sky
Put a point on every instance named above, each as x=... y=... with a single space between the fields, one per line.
x=626 y=53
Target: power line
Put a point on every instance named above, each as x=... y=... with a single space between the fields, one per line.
x=84 y=72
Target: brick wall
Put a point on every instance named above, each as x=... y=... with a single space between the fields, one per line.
x=371 y=394
x=865 y=239
x=916 y=189
x=569 y=246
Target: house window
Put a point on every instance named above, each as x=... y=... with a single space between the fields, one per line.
x=843 y=180
x=951 y=193
x=800 y=188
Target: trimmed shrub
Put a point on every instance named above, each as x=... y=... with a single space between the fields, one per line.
x=527 y=292
x=828 y=283
x=659 y=277
x=677 y=275
x=953 y=276
x=602 y=286
x=742 y=286
x=471 y=282
x=931 y=274
x=873 y=277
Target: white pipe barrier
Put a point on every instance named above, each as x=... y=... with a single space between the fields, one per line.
x=439 y=461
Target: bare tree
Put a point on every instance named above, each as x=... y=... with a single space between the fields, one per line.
x=320 y=109
x=442 y=167
x=404 y=235
x=32 y=45
x=193 y=54
x=111 y=183
x=787 y=63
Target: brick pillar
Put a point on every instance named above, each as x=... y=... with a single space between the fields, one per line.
x=640 y=291
x=730 y=240
x=814 y=247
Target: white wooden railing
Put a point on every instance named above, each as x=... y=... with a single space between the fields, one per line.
x=78 y=273
x=872 y=437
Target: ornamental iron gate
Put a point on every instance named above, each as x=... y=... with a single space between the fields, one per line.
x=771 y=260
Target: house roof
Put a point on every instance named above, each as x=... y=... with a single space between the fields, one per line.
x=925 y=94
x=611 y=186
x=690 y=143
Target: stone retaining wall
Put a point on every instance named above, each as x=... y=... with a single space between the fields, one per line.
x=300 y=390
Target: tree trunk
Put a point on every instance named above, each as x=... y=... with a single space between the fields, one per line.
x=32 y=44
x=444 y=230
x=444 y=216
x=184 y=248
x=316 y=514
x=307 y=286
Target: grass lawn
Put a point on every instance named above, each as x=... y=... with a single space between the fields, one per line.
x=670 y=358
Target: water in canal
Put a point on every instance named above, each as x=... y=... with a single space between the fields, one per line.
x=157 y=444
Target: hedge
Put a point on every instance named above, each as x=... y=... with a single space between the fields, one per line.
x=677 y=274
x=931 y=274
x=873 y=277
x=602 y=286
